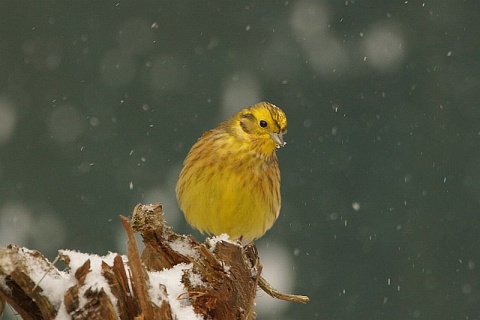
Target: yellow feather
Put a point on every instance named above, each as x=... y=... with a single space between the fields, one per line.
x=230 y=181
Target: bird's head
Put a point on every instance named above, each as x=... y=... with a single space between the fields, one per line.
x=265 y=125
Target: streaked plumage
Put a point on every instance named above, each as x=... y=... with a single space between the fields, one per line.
x=230 y=181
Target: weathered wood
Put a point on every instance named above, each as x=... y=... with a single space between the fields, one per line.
x=220 y=277
x=227 y=270
x=21 y=292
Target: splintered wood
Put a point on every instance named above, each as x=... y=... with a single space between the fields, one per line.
x=222 y=282
x=175 y=277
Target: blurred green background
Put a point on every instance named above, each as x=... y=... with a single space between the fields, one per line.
x=101 y=101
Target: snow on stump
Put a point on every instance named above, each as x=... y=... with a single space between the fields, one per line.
x=176 y=277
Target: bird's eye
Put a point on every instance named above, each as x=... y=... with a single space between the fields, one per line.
x=263 y=123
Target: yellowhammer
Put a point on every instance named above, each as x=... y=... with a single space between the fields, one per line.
x=230 y=181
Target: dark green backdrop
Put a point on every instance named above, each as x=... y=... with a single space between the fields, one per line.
x=101 y=100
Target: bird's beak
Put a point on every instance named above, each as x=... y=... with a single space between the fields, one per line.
x=278 y=139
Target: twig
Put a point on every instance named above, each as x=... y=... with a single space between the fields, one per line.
x=271 y=291
x=52 y=265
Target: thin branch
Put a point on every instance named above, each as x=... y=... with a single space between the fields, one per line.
x=271 y=291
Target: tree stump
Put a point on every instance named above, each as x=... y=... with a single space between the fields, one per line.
x=175 y=277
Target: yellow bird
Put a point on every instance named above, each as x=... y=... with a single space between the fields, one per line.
x=230 y=181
